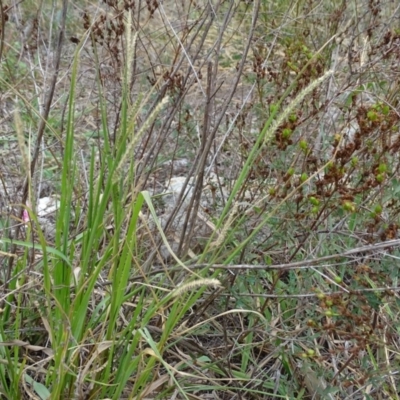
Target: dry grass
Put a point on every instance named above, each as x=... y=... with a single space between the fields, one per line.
x=272 y=272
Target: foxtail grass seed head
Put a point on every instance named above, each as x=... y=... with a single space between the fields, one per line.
x=225 y=228
x=135 y=138
x=292 y=105
x=131 y=40
x=215 y=283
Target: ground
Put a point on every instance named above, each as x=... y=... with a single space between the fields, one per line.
x=273 y=273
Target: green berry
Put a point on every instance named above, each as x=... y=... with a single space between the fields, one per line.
x=380 y=177
x=349 y=206
x=290 y=171
x=337 y=279
x=303 y=144
x=382 y=168
x=372 y=116
x=286 y=133
x=303 y=177
x=385 y=109
x=311 y=352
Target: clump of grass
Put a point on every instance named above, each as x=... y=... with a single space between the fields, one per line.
x=293 y=294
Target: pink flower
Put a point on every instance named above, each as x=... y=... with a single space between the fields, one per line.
x=25 y=216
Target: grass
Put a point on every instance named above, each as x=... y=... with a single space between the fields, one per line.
x=272 y=273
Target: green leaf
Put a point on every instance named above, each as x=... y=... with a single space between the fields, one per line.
x=40 y=389
x=31 y=245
